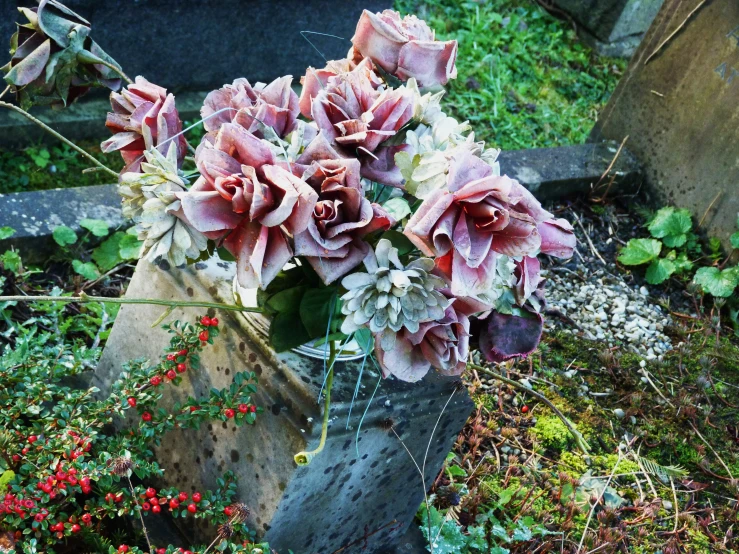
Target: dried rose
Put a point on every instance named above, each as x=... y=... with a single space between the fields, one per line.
x=506 y=336
x=53 y=59
x=342 y=216
x=244 y=197
x=274 y=105
x=405 y=47
x=144 y=117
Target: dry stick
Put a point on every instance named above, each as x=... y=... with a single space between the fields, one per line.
x=674 y=498
x=85 y=299
x=676 y=31
x=613 y=162
x=592 y=508
x=65 y=140
x=587 y=238
x=143 y=525
x=712 y=450
x=3 y=93
x=579 y=440
x=708 y=209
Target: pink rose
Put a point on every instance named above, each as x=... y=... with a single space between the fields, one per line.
x=352 y=113
x=442 y=344
x=144 y=117
x=342 y=215
x=246 y=197
x=274 y=105
x=405 y=47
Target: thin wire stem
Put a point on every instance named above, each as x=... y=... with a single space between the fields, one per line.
x=117 y=70
x=304 y=458
x=65 y=140
x=85 y=299
x=3 y=93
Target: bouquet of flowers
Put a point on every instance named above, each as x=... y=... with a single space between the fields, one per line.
x=359 y=208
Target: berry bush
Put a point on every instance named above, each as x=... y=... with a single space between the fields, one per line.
x=71 y=482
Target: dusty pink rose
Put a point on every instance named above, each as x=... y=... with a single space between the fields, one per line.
x=478 y=216
x=528 y=278
x=274 y=105
x=144 y=117
x=352 y=113
x=405 y=47
x=342 y=215
x=442 y=344
x=246 y=197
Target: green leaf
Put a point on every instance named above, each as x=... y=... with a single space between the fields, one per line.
x=130 y=247
x=659 y=271
x=315 y=310
x=11 y=261
x=365 y=340
x=286 y=331
x=7 y=232
x=286 y=301
x=457 y=471
x=399 y=241
x=107 y=255
x=671 y=225
x=716 y=282
x=86 y=269
x=734 y=239
x=640 y=251
x=64 y=235
x=97 y=227
x=682 y=263
x=398 y=208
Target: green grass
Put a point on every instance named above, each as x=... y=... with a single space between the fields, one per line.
x=524 y=78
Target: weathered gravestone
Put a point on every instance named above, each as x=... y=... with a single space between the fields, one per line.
x=678 y=102
x=202 y=44
x=353 y=497
x=613 y=27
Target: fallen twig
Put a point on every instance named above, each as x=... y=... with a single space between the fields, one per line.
x=587 y=238
x=673 y=33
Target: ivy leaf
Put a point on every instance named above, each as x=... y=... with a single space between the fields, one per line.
x=86 y=269
x=659 y=271
x=671 y=225
x=97 y=227
x=398 y=208
x=64 y=236
x=716 y=282
x=130 y=247
x=7 y=232
x=640 y=251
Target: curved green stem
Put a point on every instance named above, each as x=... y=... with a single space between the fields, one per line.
x=65 y=140
x=117 y=70
x=579 y=439
x=304 y=458
x=84 y=299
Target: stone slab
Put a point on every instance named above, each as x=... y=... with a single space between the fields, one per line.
x=201 y=44
x=680 y=109
x=360 y=501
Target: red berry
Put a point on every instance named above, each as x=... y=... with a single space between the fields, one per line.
x=123 y=548
x=39 y=517
x=131 y=401
x=86 y=490
x=182 y=352
x=161 y=551
x=46 y=487
x=72 y=471
x=16 y=458
x=203 y=336
x=156 y=381
x=197 y=497
x=181 y=368
x=156 y=508
x=85 y=481
x=72 y=480
x=32 y=439
x=76 y=528
x=150 y=492
x=61 y=476
x=174 y=504
x=119 y=497
x=192 y=508
x=24 y=451
x=252 y=408
x=205 y=321
x=146 y=416
x=171 y=375
x=524 y=409
x=171 y=357
x=87 y=518
x=228 y=511
x=214 y=322
x=146 y=506
x=193 y=408
x=229 y=413
x=243 y=408
x=183 y=496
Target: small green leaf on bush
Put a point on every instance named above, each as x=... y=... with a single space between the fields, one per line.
x=7 y=232
x=64 y=235
x=682 y=263
x=97 y=227
x=398 y=208
x=130 y=247
x=716 y=282
x=11 y=261
x=659 y=271
x=671 y=225
x=734 y=240
x=86 y=269
x=640 y=251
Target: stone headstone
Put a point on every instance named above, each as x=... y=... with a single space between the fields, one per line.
x=612 y=27
x=678 y=102
x=202 y=44
x=355 y=496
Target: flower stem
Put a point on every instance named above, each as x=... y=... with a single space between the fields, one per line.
x=305 y=458
x=579 y=440
x=117 y=70
x=3 y=93
x=52 y=132
x=84 y=299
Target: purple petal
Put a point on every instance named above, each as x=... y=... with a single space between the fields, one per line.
x=508 y=336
